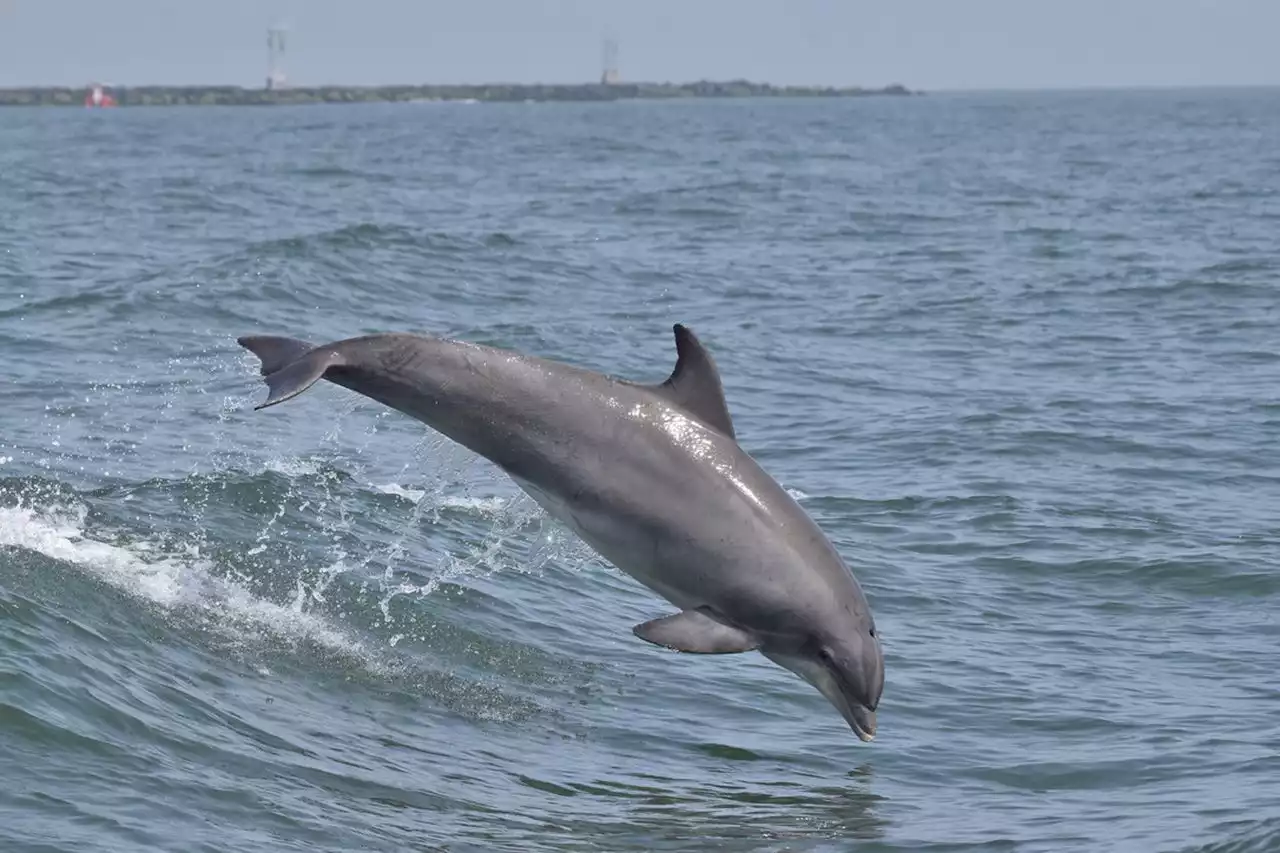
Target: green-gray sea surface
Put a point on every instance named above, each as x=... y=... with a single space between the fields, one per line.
x=1018 y=354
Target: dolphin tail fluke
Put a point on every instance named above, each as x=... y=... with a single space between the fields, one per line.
x=289 y=366
x=274 y=352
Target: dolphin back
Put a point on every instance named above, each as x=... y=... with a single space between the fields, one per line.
x=289 y=366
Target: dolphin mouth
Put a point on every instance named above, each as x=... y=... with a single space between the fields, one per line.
x=863 y=722
x=860 y=717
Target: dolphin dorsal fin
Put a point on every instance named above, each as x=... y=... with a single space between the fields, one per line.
x=695 y=386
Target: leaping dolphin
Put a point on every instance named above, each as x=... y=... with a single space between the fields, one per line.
x=650 y=476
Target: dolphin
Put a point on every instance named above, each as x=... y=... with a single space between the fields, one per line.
x=650 y=476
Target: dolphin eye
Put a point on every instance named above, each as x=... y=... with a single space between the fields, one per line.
x=873 y=632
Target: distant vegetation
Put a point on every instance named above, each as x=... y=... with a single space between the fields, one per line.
x=234 y=95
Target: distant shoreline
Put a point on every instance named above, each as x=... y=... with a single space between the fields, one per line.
x=494 y=92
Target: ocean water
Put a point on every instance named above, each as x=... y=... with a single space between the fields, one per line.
x=1017 y=354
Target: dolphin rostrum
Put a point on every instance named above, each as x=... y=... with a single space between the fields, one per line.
x=650 y=476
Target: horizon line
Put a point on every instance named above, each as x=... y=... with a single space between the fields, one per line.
x=943 y=89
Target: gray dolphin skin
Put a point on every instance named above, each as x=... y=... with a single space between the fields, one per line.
x=650 y=476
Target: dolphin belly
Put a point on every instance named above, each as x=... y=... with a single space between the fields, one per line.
x=617 y=542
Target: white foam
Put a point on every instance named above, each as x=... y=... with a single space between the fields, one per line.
x=797 y=494
x=411 y=495
x=488 y=506
x=492 y=505
x=171 y=580
x=293 y=467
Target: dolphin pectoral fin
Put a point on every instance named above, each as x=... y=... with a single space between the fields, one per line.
x=697 y=632
x=291 y=379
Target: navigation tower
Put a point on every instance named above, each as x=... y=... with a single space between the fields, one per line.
x=275 y=58
x=610 y=73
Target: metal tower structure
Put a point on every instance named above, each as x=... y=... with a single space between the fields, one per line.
x=610 y=73
x=275 y=58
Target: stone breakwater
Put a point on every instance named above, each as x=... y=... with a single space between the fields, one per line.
x=238 y=96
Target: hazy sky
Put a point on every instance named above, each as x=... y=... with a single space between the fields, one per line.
x=930 y=44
